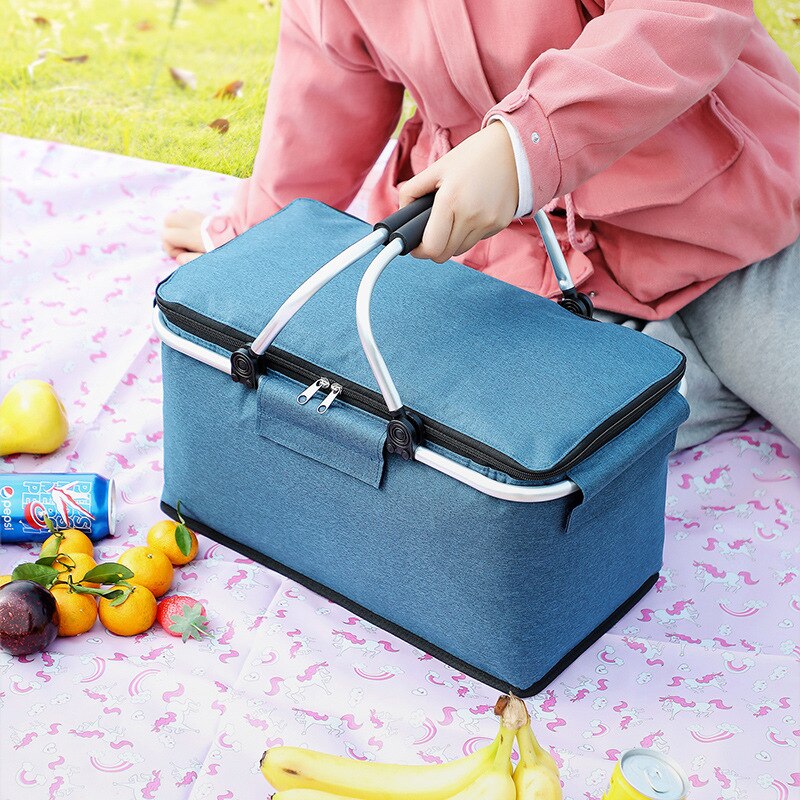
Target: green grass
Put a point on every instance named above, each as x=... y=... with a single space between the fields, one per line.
x=122 y=97
x=782 y=19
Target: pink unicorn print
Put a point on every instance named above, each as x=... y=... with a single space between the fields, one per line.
x=585 y=687
x=674 y=705
x=309 y=718
x=767 y=451
x=317 y=675
x=738 y=547
x=715 y=680
x=666 y=582
x=655 y=741
x=785 y=511
x=681 y=610
x=345 y=640
x=767 y=706
x=740 y=510
x=718 y=478
x=466 y=718
x=728 y=781
x=650 y=651
x=463 y=686
x=731 y=581
x=546 y=712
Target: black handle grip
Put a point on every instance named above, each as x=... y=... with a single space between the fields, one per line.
x=410 y=234
x=404 y=215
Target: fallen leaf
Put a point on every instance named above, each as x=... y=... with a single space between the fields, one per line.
x=183 y=77
x=221 y=125
x=76 y=59
x=144 y=25
x=233 y=89
x=42 y=22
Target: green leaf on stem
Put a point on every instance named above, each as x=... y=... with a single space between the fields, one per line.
x=50 y=548
x=108 y=573
x=109 y=594
x=39 y=573
x=123 y=595
x=182 y=536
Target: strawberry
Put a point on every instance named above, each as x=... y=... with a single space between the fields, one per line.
x=183 y=616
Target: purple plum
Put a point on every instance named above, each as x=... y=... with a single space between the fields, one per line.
x=28 y=618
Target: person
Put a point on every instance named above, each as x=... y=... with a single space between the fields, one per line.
x=661 y=136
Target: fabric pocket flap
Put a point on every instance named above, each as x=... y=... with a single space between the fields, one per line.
x=344 y=438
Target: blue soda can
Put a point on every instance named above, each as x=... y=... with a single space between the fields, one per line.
x=85 y=502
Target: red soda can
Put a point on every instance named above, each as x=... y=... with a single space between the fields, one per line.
x=85 y=502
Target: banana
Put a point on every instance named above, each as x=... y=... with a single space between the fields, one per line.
x=308 y=794
x=536 y=774
x=496 y=783
x=296 y=768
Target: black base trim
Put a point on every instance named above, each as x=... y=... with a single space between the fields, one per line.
x=411 y=638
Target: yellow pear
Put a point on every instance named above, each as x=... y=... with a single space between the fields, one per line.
x=32 y=419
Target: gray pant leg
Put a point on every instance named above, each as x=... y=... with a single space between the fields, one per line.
x=747 y=330
x=713 y=407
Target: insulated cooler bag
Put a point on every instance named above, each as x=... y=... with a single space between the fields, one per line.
x=476 y=469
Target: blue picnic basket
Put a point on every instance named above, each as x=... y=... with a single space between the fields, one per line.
x=501 y=516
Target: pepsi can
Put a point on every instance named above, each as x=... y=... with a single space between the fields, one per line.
x=85 y=502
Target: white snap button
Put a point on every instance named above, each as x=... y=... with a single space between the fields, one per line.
x=535 y=137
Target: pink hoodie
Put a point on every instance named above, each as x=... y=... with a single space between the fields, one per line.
x=669 y=129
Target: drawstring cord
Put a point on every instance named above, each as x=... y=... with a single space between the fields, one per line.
x=583 y=242
x=441 y=143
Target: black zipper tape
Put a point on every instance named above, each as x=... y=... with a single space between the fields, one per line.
x=368 y=400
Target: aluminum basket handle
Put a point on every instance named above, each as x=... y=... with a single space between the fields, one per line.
x=244 y=360
x=405 y=239
x=405 y=431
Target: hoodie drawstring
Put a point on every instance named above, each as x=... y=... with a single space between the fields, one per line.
x=583 y=242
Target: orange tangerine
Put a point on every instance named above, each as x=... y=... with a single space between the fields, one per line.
x=73 y=541
x=162 y=537
x=133 y=616
x=78 y=567
x=150 y=567
x=77 y=612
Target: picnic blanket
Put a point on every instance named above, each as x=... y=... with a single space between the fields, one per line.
x=705 y=668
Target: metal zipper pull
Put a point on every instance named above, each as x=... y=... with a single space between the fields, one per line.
x=335 y=391
x=318 y=385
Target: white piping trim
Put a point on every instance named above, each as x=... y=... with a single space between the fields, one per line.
x=300 y=296
x=501 y=491
x=191 y=349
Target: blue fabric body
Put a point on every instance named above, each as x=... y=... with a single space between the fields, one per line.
x=508 y=588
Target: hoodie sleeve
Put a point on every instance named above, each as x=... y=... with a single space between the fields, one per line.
x=633 y=69
x=329 y=114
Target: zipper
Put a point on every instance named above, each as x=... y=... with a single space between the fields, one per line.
x=336 y=390
x=319 y=385
x=435 y=432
